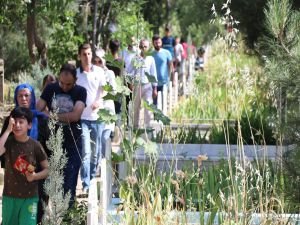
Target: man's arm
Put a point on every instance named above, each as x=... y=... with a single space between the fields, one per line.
x=154 y=74
x=73 y=116
x=41 y=105
x=5 y=135
x=98 y=103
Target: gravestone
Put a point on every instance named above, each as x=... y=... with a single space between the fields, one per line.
x=1 y=81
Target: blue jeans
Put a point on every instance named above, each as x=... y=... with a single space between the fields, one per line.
x=164 y=90
x=72 y=168
x=91 y=148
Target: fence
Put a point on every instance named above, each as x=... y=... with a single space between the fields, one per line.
x=100 y=193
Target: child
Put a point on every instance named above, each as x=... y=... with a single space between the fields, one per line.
x=199 y=63
x=22 y=156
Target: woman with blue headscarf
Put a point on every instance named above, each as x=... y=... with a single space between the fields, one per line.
x=25 y=97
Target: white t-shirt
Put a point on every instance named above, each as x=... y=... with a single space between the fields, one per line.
x=178 y=52
x=140 y=66
x=93 y=82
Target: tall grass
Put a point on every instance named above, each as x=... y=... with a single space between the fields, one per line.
x=232 y=82
x=230 y=191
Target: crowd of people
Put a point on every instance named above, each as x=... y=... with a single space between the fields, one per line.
x=76 y=96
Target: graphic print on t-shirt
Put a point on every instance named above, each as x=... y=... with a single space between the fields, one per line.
x=62 y=103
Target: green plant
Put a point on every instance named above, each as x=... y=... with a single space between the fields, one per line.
x=182 y=135
x=58 y=203
x=76 y=215
x=64 y=41
x=256 y=127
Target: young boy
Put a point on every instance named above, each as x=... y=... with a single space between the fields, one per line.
x=22 y=156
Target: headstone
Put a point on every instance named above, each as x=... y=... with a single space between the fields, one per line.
x=1 y=81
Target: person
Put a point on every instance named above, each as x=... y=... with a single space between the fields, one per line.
x=108 y=131
x=99 y=57
x=23 y=155
x=199 y=62
x=184 y=56
x=48 y=79
x=116 y=66
x=92 y=79
x=168 y=43
x=178 y=52
x=24 y=96
x=164 y=66
x=128 y=53
x=143 y=89
x=67 y=100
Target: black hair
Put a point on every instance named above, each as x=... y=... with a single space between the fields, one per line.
x=22 y=112
x=155 y=37
x=84 y=46
x=114 y=46
x=69 y=68
x=45 y=79
x=201 y=50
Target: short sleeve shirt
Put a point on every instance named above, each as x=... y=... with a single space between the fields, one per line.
x=15 y=183
x=93 y=82
x=63 y=102
x=162 y=59
x=168 y=43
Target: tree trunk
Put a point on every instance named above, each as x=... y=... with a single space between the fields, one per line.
x=30 y=31
x=102 y=31
x=95 y=26
x=36 y=47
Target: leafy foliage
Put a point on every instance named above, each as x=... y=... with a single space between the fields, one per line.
x=281 y=52
x=64 y=41
x=158 y=114
x=106 y=117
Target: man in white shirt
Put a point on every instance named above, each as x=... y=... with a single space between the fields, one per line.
x=92 y=78
x=141 y=65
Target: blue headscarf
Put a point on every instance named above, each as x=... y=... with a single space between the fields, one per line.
x=33 y=132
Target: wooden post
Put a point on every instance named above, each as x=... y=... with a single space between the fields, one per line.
x=1 y=81
x=170 y=98
x=184 y=84
x=176 y=87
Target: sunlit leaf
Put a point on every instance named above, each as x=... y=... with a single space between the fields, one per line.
x=158 y=114
x=106 y=116
x=151 y=78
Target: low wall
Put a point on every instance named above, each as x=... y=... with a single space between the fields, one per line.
x=178 y=155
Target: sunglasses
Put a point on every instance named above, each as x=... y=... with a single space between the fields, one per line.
x=98 y=61
x=143 y=46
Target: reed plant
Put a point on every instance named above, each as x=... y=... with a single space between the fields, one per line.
x=229 y=192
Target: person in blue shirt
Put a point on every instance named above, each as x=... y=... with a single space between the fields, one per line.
x=168 y=42
x=164 y=67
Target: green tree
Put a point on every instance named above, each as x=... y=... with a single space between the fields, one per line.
x=281 y=50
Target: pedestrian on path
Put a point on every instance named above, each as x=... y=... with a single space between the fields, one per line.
x=108 y=131
x=23 y=156
x=24 y=96
x=67 y=100
x=141 y=66
x=164 y=67
x=92 y=78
